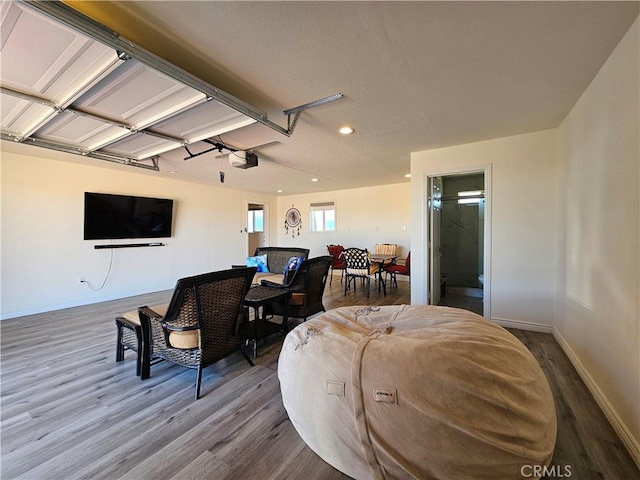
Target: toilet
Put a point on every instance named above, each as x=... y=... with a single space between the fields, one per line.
x=481 y=278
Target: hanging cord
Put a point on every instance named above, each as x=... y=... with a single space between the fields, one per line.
x=88 y=284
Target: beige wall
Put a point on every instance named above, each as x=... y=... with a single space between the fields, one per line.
x=523 y=221
x=43 y=251
x=598 y=310
x=364 y=217
x=566 y=232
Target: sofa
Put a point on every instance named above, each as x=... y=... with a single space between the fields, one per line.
x=277 y=260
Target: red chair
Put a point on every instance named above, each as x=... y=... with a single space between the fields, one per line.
x=397 y=269
x=337 y=262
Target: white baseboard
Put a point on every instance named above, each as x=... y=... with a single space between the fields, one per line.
x=51 y=308
x=632 y=444
x=533 y=327
x=76 y=303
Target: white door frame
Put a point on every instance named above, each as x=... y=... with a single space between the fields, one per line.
x=486 y=169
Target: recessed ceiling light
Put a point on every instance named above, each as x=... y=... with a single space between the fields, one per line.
x=314 y=179
x=346 y=130
x=408 y=175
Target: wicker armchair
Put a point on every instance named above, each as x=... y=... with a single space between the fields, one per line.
x=307 y=287
x=201 y=322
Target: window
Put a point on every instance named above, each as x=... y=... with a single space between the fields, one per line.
x=323 y=217
x=255 y=221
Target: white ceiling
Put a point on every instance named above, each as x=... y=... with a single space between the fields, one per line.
x=415 y=76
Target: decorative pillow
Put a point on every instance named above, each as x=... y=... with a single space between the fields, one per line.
x=293 y=264
x=259 y=261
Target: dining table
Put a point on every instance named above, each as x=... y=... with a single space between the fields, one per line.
x=381 y=260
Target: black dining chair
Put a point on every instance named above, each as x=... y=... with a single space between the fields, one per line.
x=358 y=266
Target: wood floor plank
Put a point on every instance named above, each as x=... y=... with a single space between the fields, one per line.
x=214 y=433
x=69 y=411
x=205 y=467
x=159 y=428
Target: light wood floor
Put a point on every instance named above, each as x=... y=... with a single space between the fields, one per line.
x=68 y=411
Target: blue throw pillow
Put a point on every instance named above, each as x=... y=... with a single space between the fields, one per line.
x=259 y=261
x=293 y=264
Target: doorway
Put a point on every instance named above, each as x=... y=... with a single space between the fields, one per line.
x=457 y=247
x=257 y=227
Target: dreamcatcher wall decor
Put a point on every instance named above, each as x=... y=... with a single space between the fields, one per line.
x=292 y=221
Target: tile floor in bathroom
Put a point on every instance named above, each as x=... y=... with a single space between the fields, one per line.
x=473 y=304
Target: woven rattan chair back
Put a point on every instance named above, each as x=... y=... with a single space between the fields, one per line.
x=386 y=248
x=317 y=271
x=310 y=280
x=210 y=307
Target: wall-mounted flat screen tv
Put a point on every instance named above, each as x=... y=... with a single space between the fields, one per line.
x=108 y=216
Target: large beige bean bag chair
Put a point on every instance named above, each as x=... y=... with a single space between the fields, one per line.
x=417 y=392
